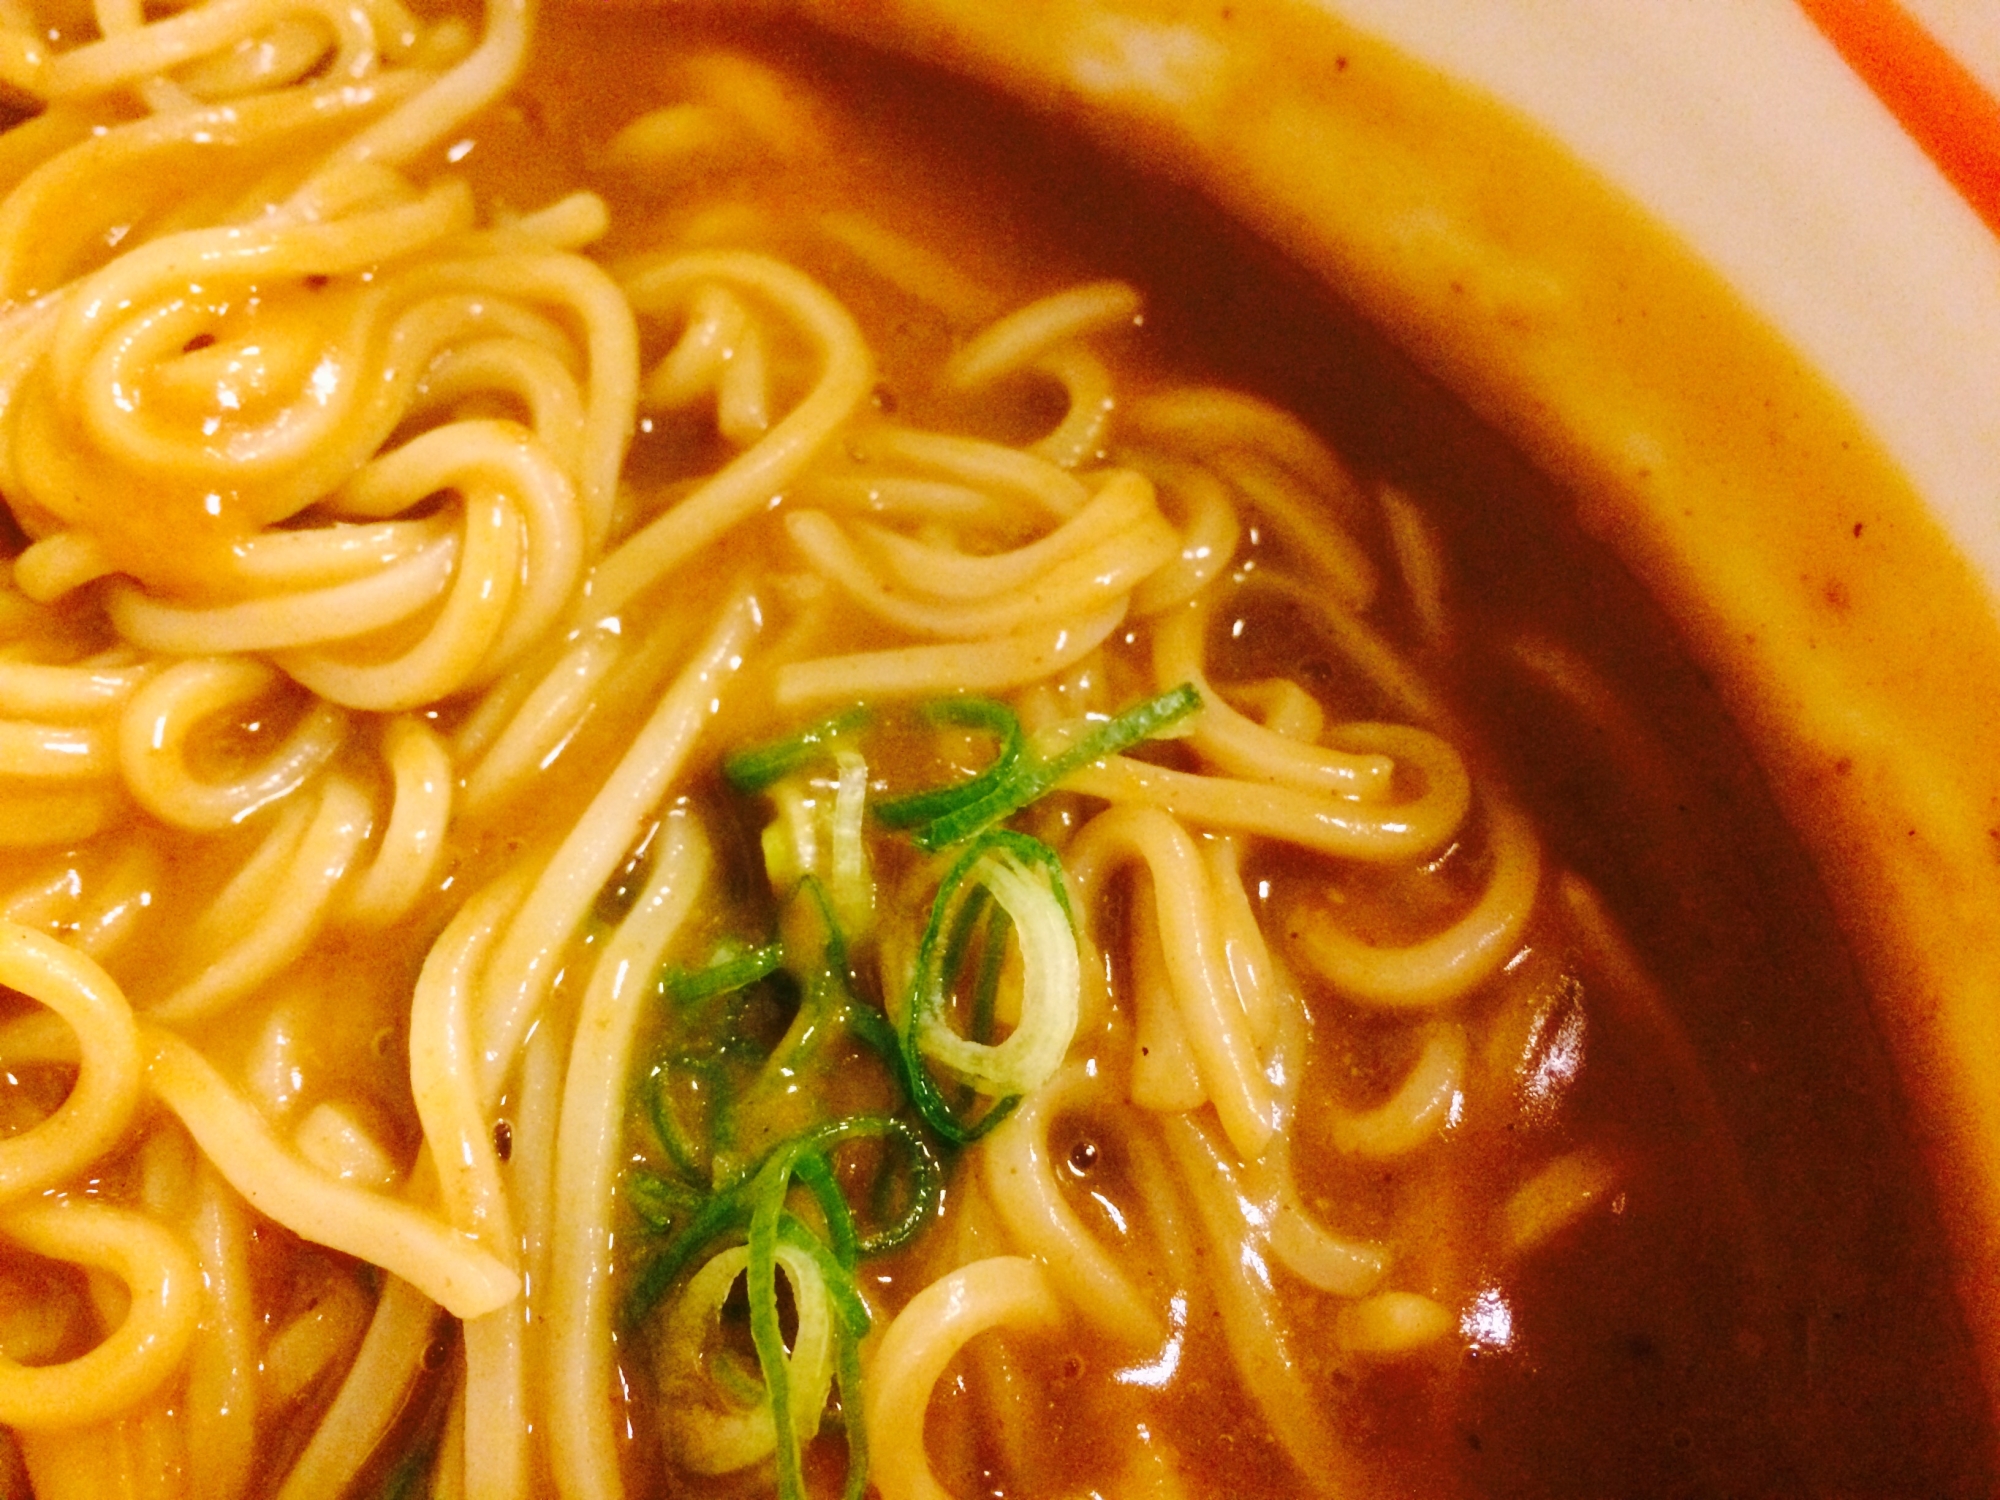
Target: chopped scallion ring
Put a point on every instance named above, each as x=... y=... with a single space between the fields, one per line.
x=759 y=766
x=998 y=720
x=1023 y=880
x=1032 y=778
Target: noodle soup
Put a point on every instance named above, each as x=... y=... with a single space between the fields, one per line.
x=720 y=782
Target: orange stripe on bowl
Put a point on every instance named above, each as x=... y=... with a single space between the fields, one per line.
x=1945 y=109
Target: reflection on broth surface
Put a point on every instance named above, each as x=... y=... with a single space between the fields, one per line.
x=717 y=799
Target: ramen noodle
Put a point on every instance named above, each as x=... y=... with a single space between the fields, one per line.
x=656 y=836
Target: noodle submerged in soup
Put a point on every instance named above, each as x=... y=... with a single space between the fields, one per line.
x=666 y=831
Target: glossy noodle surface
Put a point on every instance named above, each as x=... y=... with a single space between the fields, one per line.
x=720 y=776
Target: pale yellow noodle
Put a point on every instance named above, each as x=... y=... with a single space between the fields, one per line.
x=273 y=561
x=295 y=907
x=720 y=352
x=991 y=467
x=755 y=476
x=490 y=1461
x=663 y=143
x=165 y=714
x=1256 y=1338
x=134 y=173
x=142 y=1352
x=319 y=1340
x=1071 y=587
x=611 y=345
x=1428 y=1099
x=31 y=819
x=446 y=1265
x=541 y=725
x=65 y=694
x=1211 y=1013
x=460 y=638
x=43 y=902
x=420 y=120
x=333 y=1138
x=447 y=1479
x=988 y=666
x=1241 y=745
x=905 y=498
x=1554 y=1198
x=1391 y=1325
x=1249 y=958
x=911 y=268
x=1283 y=707
x=1332 y=826
x=55 y=753
x=1421 y=562
x=1165 y=1075
x=528 y=364
x=1210 y=534
x=1202 y=421
x=1268 y=1189
x=138 y=1455
x=202 y=30
x=101 y=1103
x=482 y=453
x=1297 y=513
x=51 y=567
x=1015 y=342
x=583 y=1439
x=531 y=1178
x=234 y=909
x=127 y=317
x=410 y=851
x=284 y=54
x=120 y=898
x=1366 y=649
x=377 y=1384
x=1003 y=1291
x=221 y=1393
x=1441 y=969
x=1122 y=502
x=535 y=941
x=1079 y=438
x=444 y=1080
x=337 y=611
x=1020 y=1179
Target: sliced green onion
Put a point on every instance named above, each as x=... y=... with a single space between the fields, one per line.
x=851 y=885
x=998 y=720
x=1033 y=777
x=816 y=1172
x=660 y=1201
x=847 y=1370
x=767 y=1204
x=718 y=1216
x=986 y=989
x=730 y=1209
x=680 y=1147
x=796 y=1382
x=813 y=950
x=732 y=967
x=1024 y=879
x=753 y=769
x=854 y=1323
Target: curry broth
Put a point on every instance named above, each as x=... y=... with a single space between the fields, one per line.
x=1765 y=1308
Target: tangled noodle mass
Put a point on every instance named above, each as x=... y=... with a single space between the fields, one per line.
x=393 y=569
